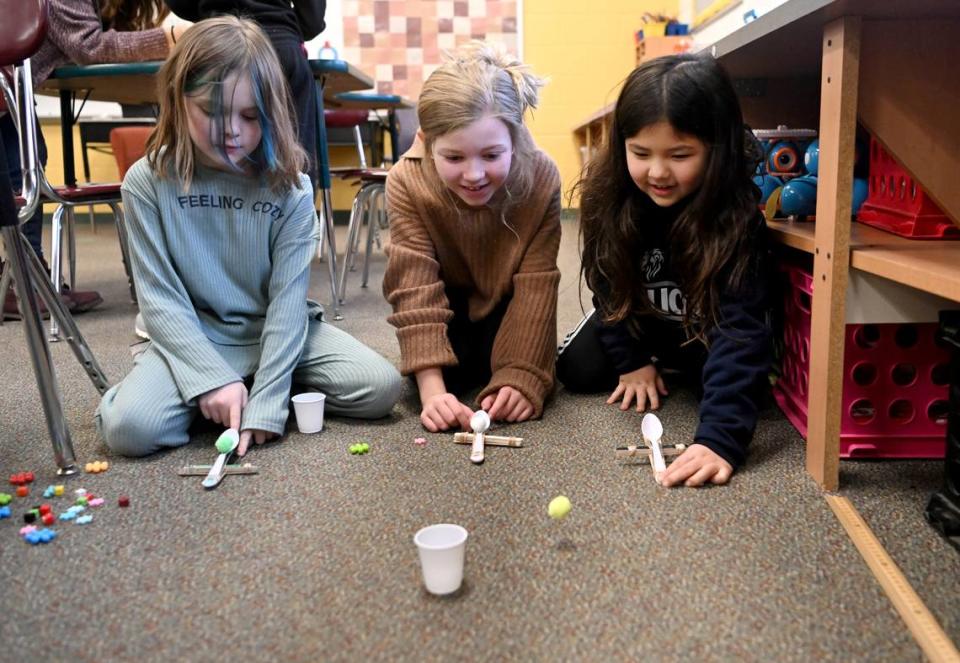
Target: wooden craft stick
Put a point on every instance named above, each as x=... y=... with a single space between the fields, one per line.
x=490 y=440
x=646 y=452
x=202 y=470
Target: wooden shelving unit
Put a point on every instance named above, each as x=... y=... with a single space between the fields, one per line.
x=891 y=66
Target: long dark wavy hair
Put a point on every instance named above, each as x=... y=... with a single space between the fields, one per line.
x=710 y=241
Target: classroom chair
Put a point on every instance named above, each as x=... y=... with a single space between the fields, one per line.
x=369 y=204
x=21 y=33
x=67 y=199
x=129 y=144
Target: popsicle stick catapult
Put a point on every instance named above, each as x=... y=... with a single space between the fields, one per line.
x=478 y=439
x=226 y=446
x=655 y=451
x=489 y=440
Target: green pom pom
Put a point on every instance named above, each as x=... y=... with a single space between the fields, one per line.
x=227 y=441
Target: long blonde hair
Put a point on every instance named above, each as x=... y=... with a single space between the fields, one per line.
x=481 y=80
x=209 y=52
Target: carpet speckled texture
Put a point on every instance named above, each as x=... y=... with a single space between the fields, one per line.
x=313 y=558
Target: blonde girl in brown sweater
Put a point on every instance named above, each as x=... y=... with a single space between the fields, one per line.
x=474 y=232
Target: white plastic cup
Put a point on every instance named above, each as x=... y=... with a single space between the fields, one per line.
x=442 y=550
x=309 y=410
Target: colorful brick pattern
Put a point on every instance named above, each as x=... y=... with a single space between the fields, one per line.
x=401 y=42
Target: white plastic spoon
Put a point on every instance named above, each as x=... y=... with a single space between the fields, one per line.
x=652 y=431
x=226 y=445
x=479 y=423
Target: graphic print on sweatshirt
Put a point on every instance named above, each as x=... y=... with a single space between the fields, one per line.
x=271 y=209
x=665 y=295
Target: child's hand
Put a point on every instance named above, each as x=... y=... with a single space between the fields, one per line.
x=695 y=467
x=507 y=404
x=644 y=384
x=443 y=411
x=258 y=436
x=225 y=404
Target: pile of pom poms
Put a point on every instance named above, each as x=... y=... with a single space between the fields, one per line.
x=359 y=448
x=97 y=466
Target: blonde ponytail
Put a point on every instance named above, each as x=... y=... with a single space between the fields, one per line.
x=482 y=80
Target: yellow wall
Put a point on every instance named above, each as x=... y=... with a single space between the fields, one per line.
x=587 y=49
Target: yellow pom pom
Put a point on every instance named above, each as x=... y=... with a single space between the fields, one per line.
x=559 y=507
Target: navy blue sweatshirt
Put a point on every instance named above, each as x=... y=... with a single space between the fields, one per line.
x=738 y=354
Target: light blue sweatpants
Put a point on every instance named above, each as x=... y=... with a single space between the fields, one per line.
x=145 y=411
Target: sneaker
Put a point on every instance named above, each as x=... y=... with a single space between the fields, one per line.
x=80 y=301
x=139 y=328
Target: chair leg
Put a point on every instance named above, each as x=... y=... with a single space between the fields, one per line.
x=5 y=281
x=321 y=215
x=72 y=245
x=124 y=248
x=58 y=311
x=360 y=152
x=40 y=354
x=356 y=214
x=93 y=218
x=56 y=244
x=373 y=227
x=363 y=215
x=328 y=231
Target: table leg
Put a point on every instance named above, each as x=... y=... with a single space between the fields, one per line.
x=66 y=137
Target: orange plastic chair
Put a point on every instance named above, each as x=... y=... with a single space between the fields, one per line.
x=129 y=144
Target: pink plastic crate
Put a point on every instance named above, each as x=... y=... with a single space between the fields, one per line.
x=895 y=382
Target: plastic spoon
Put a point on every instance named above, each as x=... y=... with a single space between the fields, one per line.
x=226 y=444
x=652 y=431
x=479 y=423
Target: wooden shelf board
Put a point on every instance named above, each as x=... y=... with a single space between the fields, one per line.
x=594 y=117
x=785 y=42
x=930 y=266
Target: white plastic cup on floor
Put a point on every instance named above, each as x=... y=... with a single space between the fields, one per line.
x=309 y=410
x=442 y=550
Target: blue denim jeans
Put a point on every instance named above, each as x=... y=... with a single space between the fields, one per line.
x=33 y=228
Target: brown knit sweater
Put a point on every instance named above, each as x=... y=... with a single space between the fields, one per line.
x=436 y=243
x=74 y=34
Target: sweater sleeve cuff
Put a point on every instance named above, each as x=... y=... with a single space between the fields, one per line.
x=721 y=443
x=424 y=346
x=530 y=385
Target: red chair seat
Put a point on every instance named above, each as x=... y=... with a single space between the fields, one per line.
x=344 y=119
x=364 y=174
x=83 y=192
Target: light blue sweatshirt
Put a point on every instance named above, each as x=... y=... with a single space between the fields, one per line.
x=226 y=263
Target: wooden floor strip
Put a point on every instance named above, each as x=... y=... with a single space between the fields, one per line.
x=924 y=627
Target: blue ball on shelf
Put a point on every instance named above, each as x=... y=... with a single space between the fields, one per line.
x=767 y=185
x=799 y=196
x=811 y=158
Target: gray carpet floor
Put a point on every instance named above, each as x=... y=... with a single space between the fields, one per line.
x=313 y=558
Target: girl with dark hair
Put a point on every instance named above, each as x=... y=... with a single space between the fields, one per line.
x=674 y=251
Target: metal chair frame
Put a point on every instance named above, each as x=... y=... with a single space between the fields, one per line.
x=29 y=276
